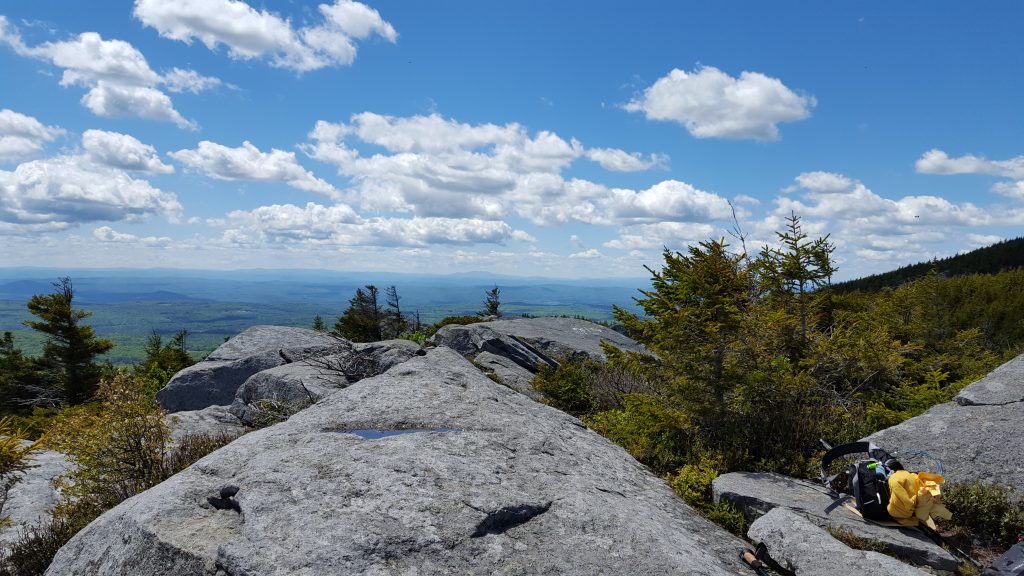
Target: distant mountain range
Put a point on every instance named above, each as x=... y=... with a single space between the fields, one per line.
x=1006 y=255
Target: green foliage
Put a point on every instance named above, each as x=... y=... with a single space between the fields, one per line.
x=163 y=361
x=69 y=354
x=33 y=551
x=452 y=320
x=856 y=542
x=989 y=512
x=693 y=481
x=15 y=458
x=318 y=324
x=361 y=322
x=566 y=387
x=653 y=433
x=492 y=304
x=417 y=337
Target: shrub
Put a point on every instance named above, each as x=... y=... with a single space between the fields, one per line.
x=693 y=482
x=15 y=459
x=986 y=511
x=566 y=387
x=271 y=411
x=654 y=434
x=452 y=320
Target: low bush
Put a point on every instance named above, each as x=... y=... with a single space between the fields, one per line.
x=452 y=320
x=652 y=433
x=988 y=512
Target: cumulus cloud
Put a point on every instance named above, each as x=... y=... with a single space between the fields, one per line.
x=587 y=254
x=938 y=162
x=122 y=151
x=339 y=225
x=670 y=200
x=711 y=104
x=22 y=136
x=431 y=166
x=59 y=192
x=248 y=163
x=621 y=161
x=108 y=234
x=673 y=235
x=116 y=76
x=258 y=34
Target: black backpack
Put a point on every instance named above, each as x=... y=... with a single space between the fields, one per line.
x=867 y=479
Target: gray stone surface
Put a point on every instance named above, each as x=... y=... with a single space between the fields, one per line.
x=482 y=481
x=511 y=374
x=757 y=493
x=30 y=501
x=212 y=420
x=215 y=380
x=808 y=550
x=976 y=437
x=472 y=339
x=309 y=380
x=564 y=337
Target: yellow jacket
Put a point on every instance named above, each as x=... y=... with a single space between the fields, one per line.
x=916 y=498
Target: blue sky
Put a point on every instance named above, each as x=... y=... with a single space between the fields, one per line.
x=570 y=138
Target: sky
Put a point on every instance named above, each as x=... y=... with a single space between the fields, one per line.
x=560 y=139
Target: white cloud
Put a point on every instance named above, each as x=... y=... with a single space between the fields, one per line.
x=711 y=104
x=587 y=254
x=107 y=234
x=117 y=77
x=938 y=162
x=1010 y=189
x=22 y=136
x=437 y=167
x=339 y=225
x=622 y=161
x=670 y=200
x=122 y=151
x=674 y=235
x=979 y=240
x=59 y=192
x=248 y=163
x=178 y=80
x=254 y=34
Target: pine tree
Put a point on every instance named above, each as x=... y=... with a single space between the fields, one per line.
x=395 y=323
x=71 y=349
x=361 y=322
x=492 y=304
x=318 y=324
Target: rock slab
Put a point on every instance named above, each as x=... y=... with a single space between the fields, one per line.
x=564 y=337
x=756 y=494
x=31 y=499
x=211 y=421
x=429 y=468
x=974 y=438
x=808 y=550
x=215 y=380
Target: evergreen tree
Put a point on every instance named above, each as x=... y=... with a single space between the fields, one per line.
x=20 y=381
x=71 y=348
x=318 y=324
x=361 y=322
x=395 y=323
x=493 y=303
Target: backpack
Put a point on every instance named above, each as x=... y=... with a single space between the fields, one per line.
x=867 y=479
x=1009 y=564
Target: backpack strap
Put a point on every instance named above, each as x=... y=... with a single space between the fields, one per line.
x=841 y=450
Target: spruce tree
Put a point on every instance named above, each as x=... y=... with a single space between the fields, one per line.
x=394 y=321
x=492 y=304
x=70 y=351
x=361 y=322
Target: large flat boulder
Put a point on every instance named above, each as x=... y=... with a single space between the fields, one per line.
x=30 y=501
x=974 y=438
x=308 y=380
x=564 y=337
x=755 y=494
x=803 y=547
x=429 y=468
x=215 y=380
x=210 y=421
x=473 y=339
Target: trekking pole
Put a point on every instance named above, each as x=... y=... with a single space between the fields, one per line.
x=751 y=560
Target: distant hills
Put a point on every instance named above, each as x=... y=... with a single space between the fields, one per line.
x=1006 y=255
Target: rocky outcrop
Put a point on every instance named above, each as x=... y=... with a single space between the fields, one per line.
x=308 y=380
x=514 y=350
x=806 y=549
x=975 y=437
x=755 y=494
x=31 y=499
x=564 y=337
x=210 y=421
x=215 y=380
x=429 y=468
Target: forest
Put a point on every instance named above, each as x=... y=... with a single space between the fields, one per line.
x=754 y=357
